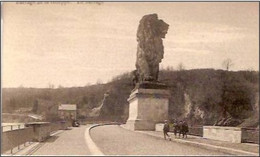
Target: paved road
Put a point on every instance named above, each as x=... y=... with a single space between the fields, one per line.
x=68 y=142
x=115 y=140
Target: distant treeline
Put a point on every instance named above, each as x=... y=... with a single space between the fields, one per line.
x=201 y=96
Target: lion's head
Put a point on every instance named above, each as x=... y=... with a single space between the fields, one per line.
x=150 y=26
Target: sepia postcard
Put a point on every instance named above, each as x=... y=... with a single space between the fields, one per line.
x=83 y=78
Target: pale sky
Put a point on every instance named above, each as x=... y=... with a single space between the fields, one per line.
x=72 y=44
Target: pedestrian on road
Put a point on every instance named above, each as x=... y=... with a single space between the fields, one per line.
x=185 y=129
x=180 y=124
x=166 y=129
x=171 y=123
x=175 y=128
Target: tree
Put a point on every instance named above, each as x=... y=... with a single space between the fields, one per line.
x=60 y=86
x=99 y=81
x=224 y=77
x=50 y=85
x=227 y=64
x=35 y=106
x=13 y=104
x=180 y=67
x=169 y=68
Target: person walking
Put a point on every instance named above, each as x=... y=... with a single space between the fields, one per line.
x=185 y=129
x=175 y=128
x=180 y=124
x=166 y=129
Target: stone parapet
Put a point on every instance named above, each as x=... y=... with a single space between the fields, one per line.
x=222 y=133
x=159 y=127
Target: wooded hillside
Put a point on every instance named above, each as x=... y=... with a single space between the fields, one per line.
x=202 y=96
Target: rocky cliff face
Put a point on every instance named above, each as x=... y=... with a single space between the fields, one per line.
x=187 y=105
x=197 y=115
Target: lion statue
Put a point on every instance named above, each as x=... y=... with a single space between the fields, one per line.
x=150 y=48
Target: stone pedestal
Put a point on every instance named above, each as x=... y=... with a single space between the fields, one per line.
x=147 y=107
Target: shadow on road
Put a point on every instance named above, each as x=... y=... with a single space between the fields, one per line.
x=69 y=128
x=51 y=139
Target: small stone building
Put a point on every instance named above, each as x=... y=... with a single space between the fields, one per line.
x=67 y=111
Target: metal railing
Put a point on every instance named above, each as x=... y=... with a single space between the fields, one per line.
x=10 y=127
x=16 y=136
x=13 y=138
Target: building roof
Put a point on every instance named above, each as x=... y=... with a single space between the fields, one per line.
x=35 y=116
x=37 y=123
x=70 y=107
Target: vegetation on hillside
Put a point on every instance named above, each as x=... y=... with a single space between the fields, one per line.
x=202 y=96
